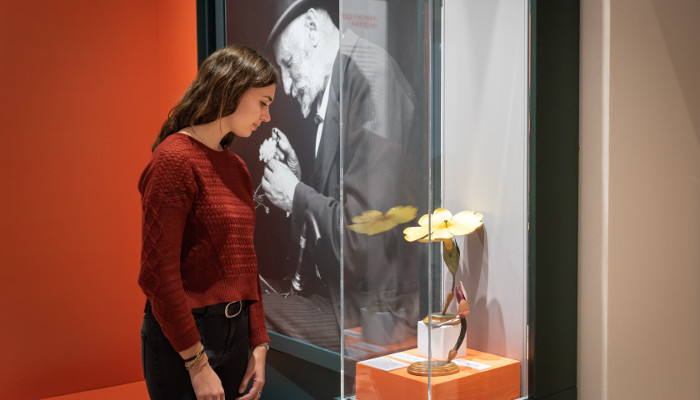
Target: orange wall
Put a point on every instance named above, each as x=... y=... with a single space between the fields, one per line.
x=84 y=87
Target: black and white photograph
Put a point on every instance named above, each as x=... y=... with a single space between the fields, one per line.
x=343 y=141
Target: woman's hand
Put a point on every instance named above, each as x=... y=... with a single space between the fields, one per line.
x=256 y=371
x=206 y=384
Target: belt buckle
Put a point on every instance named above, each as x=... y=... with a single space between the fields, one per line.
x=240 y=308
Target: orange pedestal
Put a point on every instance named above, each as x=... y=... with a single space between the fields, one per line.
x=501 y=381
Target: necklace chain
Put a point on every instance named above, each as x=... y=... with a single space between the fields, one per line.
x=196 y=136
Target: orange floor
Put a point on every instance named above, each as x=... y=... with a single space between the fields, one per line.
x=131 y=391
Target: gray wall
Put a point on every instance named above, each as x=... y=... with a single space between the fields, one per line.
x=639 y=218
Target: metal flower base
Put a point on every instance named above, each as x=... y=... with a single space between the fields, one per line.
x=438 y=368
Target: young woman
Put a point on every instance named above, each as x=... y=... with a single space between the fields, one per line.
x=198 y=266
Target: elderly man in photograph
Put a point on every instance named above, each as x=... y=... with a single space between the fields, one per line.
x=365 y=112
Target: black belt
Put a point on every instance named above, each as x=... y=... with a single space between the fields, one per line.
x=228 y=310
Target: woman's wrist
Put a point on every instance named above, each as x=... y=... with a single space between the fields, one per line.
x=199 y=366
x=199 y=360
x=191 y=351
x=266 y=345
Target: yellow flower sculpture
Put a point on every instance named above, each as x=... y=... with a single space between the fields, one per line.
x=442 y=226
x=372 y=222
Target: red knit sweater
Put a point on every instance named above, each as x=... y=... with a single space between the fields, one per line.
x=198 y=222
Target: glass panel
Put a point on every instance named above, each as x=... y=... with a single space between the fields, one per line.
x=385 y=70
x=485 y=158
x=298 y=236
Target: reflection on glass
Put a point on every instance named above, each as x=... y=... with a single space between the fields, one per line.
x=385 y=155
x=372 y=222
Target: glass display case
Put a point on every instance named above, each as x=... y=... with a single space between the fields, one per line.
x=461 y=163
x=400 y=265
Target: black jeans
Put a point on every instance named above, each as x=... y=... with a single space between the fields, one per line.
x=225 y=341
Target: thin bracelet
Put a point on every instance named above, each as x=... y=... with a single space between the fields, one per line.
x=266 y=344
x=201 y=350
x=196 y=362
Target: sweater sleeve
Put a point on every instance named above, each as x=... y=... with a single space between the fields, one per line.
x=168 y=188
x=257 y=331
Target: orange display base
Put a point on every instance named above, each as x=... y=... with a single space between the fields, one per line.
x=500 y=381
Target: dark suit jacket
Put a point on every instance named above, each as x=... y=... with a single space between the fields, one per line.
x=380 y=140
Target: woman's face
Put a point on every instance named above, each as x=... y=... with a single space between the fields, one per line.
x=253 y=109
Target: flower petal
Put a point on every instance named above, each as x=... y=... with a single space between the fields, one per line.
x=465 y=222
x=436 y=218
x=373 y=227
x=367 y=216
x=432 y=239
x=442 y=215
x=414 y=233
x=402 y=214
x=423 y=221
x=441 y=233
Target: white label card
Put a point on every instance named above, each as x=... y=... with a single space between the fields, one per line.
x=350 y=333
x=471 y=364
x=407 y=357
x=385 y=364
x=368 y=346
x=356 y=353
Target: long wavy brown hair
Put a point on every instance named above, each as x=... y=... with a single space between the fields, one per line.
x=216 y=90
